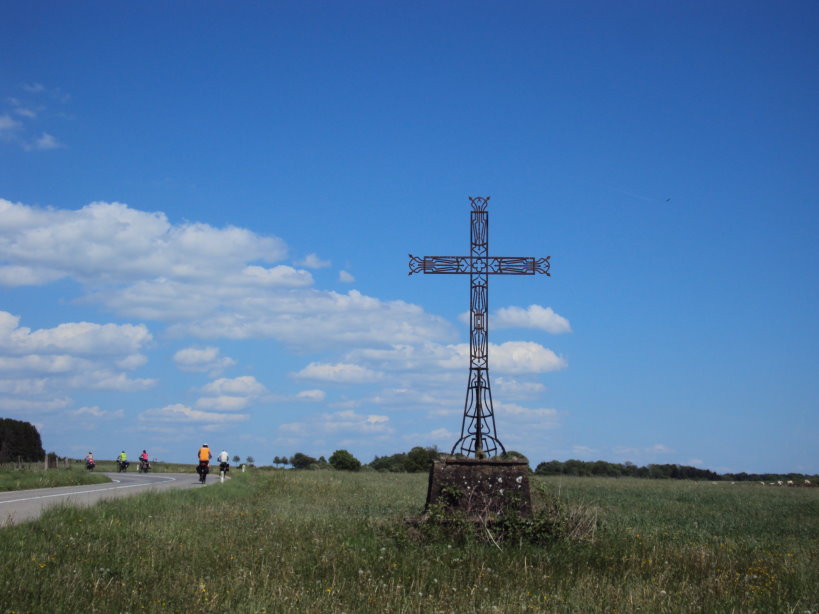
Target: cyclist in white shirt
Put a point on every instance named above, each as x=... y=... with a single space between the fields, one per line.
x=224 y=466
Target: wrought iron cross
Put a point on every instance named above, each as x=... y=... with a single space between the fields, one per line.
x=478 y=435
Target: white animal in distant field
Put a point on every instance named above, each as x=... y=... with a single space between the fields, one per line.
x=807 y=482
x=763 y=483
x=790 y=482
x=779 y=482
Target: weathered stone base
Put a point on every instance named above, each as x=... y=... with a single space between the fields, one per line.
x=480 y=488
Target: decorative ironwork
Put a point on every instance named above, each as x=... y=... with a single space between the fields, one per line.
x=478 y=434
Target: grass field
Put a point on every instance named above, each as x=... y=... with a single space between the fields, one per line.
x=24 y=479
x=324 y=541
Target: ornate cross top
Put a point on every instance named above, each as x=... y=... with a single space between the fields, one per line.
x=478 y=435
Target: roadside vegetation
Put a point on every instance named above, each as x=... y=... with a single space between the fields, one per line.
x=26 y=476
x=30 y=477
x=338 y=541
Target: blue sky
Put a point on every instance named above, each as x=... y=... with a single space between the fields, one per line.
x=206 y=211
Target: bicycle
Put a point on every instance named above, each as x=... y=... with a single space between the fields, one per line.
x=203 y=469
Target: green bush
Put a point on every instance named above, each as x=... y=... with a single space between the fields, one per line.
x=344 y=461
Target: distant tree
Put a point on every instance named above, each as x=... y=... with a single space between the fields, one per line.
x=236 y=458
x=280 y=460
x=20 y=439
x=393 y=464
x=342 y=460
x=602 y=468
x=250 y=460
x=576 y=467
x=420 y=459
x=553 y=467
x=302 y=461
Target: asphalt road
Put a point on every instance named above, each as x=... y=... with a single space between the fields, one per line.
x=22 y=505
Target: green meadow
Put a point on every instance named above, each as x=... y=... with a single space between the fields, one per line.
x=33 y=476
x=326 y=541
x=25 y=479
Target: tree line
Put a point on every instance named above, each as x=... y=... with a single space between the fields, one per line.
x=602 y=468
x=20 y=440
x=420 y=459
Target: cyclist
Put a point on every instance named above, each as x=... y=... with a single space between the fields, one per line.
x=122 y=461
x=204 y=460
x=143 y=462
x=224 y=466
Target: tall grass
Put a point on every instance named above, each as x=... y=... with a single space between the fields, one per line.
x=288 y=541
x=24 y=479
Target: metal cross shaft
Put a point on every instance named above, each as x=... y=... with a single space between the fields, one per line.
x=478 y=434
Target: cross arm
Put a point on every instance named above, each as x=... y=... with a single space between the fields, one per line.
x=504 y=265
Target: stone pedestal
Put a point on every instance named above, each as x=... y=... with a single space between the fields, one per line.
x=480 y=488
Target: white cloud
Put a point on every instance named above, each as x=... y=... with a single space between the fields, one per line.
x=312 y=261
x=534 y=316
x=442 y=435
x=246 y=385
x=513 y=388
x=311 y=395
x=83 y=338
x=202 y=359
x=19 y=386
x=97 y=413
x=223 y=403
x=112 y=243
x=340 y=373
x=312 y=319
x=44 y=142
x=281 y=275
x=341 y=422
x=204 y=281
x=524 y=413
x=524 y=357
x=37 y=366
x=24 y=406
x=182 y=413
x=24 y=112
x=132 y=361
x=104 y=379
x=509 y=357
x=8 y=125
x=228 y=394
x=345 y=277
